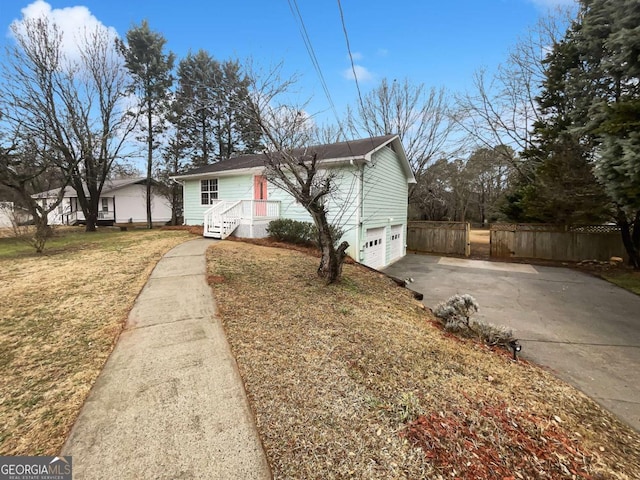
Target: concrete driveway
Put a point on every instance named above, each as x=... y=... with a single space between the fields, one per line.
x=584 y=329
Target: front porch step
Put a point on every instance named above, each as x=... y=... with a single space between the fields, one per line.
x=214 y=232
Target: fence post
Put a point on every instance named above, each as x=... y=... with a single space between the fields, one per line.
x=467 y=234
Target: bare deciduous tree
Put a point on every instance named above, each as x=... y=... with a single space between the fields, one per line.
x=501 y=109
x=25 y=168
x=71 y=110
x=102 y=124
x=294 y=168
x=420 y=116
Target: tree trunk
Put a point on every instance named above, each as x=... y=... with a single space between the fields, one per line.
x=330 y=268
x=43 y=230
x=631 y=239
x=635 y=235
x=92 y=220
x=91 y=210
x=149 y=164
x=174 y=205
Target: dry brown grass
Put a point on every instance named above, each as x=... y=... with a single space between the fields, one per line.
x=60 y=315
x=479 y=236
x=354 y=380
x=480 y=243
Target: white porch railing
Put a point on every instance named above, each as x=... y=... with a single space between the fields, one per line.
x=211 y=217
x=230 y=219
x=224 y=216
x=106 y=215
x=260 y=209
x=70 y=218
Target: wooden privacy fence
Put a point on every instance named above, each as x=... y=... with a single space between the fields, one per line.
x=556 y=242
x=439 y=237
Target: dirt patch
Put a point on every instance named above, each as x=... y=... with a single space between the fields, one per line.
x=61 y=314
x=193 y=229
x=354 y=380
x=480 y=244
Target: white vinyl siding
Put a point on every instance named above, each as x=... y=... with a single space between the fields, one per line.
x=6 y=214
x=130 y=204
x=289 y=208
x=383 y=191
x=229 y=188
x=385 y=196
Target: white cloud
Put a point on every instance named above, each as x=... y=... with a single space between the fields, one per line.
x=382 y=52
x=355 y=56
x=361 y=72
x=72 y=22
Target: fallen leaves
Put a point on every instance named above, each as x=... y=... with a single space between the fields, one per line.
x=356 y=380
x=484 y=440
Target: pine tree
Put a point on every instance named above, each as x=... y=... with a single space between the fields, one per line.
x=563 y=188
x=150 y=68
x=607 y=82
x=198 y=76
x=213 y=98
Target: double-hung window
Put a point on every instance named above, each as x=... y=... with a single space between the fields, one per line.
x=208 y=191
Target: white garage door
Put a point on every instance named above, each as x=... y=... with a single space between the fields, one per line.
x=374 y=251
x=397 y=242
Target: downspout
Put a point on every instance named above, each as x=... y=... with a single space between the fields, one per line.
x=360 y=213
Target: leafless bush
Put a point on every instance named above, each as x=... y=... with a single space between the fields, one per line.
x=455 y=314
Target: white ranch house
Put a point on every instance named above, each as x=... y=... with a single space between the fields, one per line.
x=121 y=201
x=6 y=214
x=370 y=206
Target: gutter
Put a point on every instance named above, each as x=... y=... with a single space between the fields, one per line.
x=260 y=170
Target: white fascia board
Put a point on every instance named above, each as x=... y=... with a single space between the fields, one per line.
x=223 y=173
x=342 y=160
x=382 y=145
x=403 y=157
x=258 y=170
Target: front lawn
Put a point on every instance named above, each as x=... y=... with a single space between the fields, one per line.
x=357 y=381
x=628 y=279
x=60 y=314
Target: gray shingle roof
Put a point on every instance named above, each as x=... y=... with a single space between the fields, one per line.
x=109 y=186
x=333 y=151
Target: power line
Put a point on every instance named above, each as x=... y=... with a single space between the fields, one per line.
x=293 y=5
x=353 y=69
x=353 y=66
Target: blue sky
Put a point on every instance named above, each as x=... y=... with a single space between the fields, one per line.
x=438 y=43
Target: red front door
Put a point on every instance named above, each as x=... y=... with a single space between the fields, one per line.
x=260 y=195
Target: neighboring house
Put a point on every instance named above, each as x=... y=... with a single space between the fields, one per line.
x=6 y=214
x=10 y=214
x=370 y=203
x=121 y=201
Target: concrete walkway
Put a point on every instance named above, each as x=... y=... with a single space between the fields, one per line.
x=169 y=403
x=585 y=329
